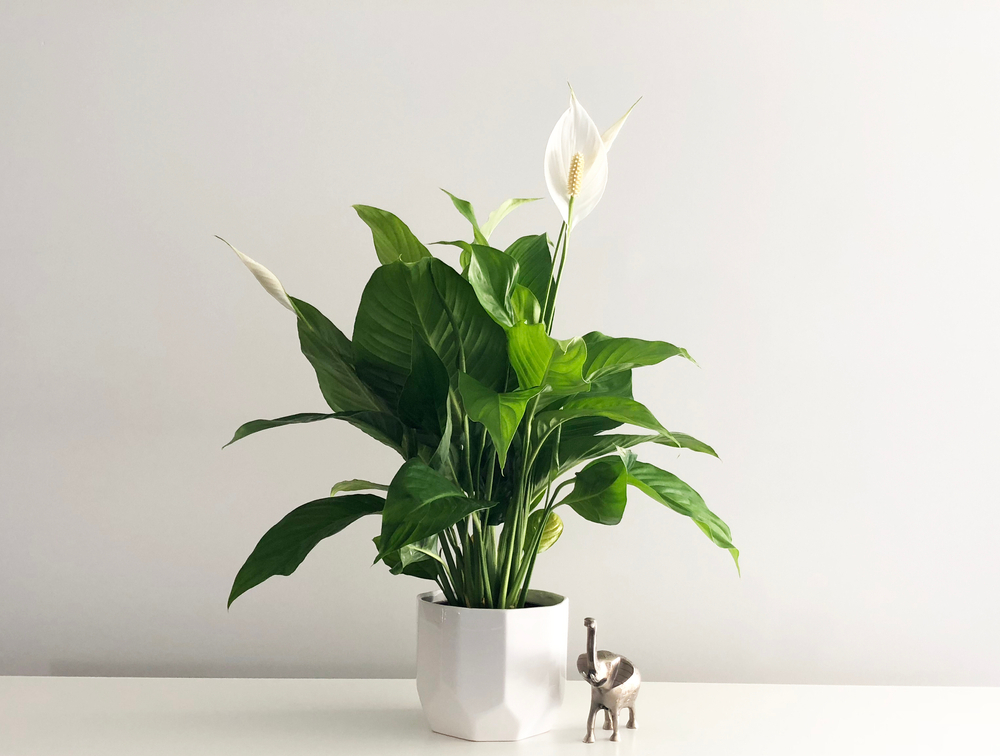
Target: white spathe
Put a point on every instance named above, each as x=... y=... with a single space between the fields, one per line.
x=266 y=278
x=491 y=674
x=575 y=133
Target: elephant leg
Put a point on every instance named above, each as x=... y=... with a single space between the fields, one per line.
x=614 y=723
x=631 y=718
x=607 y=719
x=591 y=721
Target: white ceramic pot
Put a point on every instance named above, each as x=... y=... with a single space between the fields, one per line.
x=491 y=674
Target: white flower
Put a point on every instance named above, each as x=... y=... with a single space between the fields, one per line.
x=576 y=160
x=266 y=278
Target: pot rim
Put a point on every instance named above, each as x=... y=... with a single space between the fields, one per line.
x=431 y=597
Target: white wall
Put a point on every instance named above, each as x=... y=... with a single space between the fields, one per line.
x=806 y=198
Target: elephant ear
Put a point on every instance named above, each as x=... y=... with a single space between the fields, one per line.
x=624 y=672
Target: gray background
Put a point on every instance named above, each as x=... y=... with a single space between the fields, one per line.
x=806 y=198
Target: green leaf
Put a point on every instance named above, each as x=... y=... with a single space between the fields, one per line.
x=613 y=408
x=606 y=355
x=524 y=306
x=254 y=426
x=285 y=545
x=492 y=274
x=421 y=503
x=540 y=360
x=599 y=492
x=673 y=492
x=393 y=239
x=501 y=212
x=379 y=425
x=332 y=356
x=576 y=448
x=423 y=402
x=444 y=458
x=553 y=529
x=356 y=484
x=464 y=258
x=534 y=263
x=499 y=413
x=430 y=299
x=416 y=552
x=465 y=208
x=418 y=564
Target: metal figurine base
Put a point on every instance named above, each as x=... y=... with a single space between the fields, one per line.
x=615 y=685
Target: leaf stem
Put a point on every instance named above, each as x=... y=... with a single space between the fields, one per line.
x=562 y=263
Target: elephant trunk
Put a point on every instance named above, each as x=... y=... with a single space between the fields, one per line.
x=591 y=646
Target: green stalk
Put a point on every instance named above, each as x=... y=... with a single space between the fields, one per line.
x=548 y=287
x=477 y=532
x=472 y=597
x=447 y=547
x=444 y=582
x=524 y=580
x=562 y=263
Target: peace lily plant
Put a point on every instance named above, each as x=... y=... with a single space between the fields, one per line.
x=458 y=372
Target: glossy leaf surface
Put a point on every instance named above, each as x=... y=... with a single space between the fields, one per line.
x=606 y=355
x=393 y=239
x=553 y=529
x=381 y=426
x=613 y=408
x=534 y=264
x=525 y=307
x=540 y=360
x=420 y=503
x=356 y=484
x=331 y=354
x=673 y=492
x=465 y=208
x=599 y=491
x=424 y=397
x=285 y=545
x=499 y=413
x=432 y=300
x=492 y=274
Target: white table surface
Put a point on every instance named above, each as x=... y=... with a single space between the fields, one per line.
x=148 y=716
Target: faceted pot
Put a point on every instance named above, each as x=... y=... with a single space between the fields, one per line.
x=492 y=674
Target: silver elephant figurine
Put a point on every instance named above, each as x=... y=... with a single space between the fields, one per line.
x=615 y=682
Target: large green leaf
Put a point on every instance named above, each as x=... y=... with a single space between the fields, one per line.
x=534 y=264
x=393 y=239
x=673 y=492
x=499 y=413
x=255 y=426
x=551 y=532
x=465 y=256
x=332 y=356
x=606 y=354
x=540 y=360
x=525 y=306
x=501 y=212
x=575 y=447
x=432 y=300
x=465 y=208
x=598 y=491
x=417 y=564
x=381 y=426
x=492 y=275
x=285 y=545
x=421 y=502
x=356 y=484
x=615 y=408
x=423 y=402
